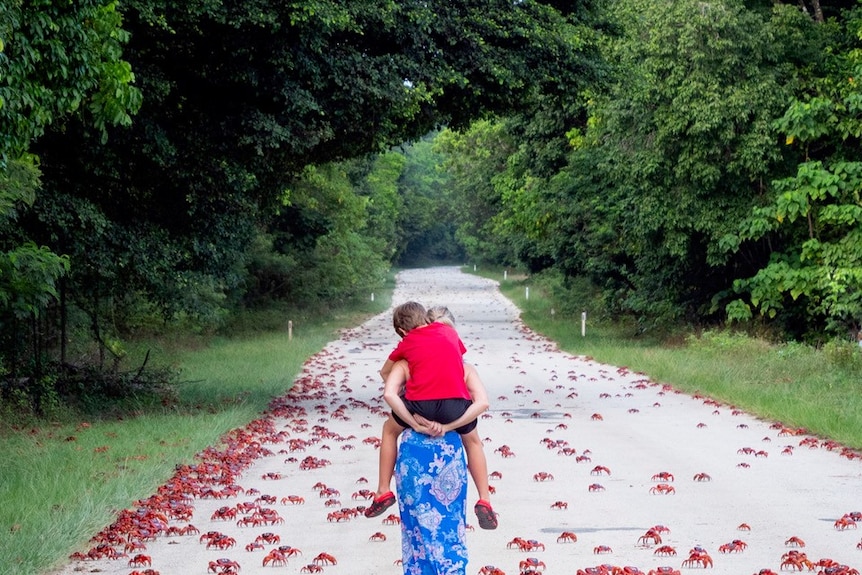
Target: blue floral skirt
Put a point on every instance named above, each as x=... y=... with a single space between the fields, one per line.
x=431 y=479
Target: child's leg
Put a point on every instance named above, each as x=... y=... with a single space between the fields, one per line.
x=389 y=436
x=388 y=454
x=478 y=466
x=476 y=463
x=384 y=498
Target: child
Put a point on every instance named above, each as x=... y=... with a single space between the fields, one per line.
x=437 y=398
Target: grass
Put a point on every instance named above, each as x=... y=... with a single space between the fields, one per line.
x=816 y=389
x=62 y=482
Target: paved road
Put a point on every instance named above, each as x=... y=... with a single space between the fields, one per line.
x=562 y=418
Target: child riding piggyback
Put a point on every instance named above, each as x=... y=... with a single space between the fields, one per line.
x=440 y=394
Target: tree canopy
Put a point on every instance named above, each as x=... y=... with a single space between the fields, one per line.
x=193 y=157
x=709 y=177
x=696 y=161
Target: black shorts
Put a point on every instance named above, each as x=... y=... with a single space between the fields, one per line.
x=439 y=410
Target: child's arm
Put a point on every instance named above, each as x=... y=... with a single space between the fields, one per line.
x=480 y=399
x=386 y=369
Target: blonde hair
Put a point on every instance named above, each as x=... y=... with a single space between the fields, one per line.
x=441 y=313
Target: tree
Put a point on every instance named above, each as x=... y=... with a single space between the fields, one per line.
x=686 y=141
x=242 y=97
x=813 y=218
x=57 y=61
x=473 y=159
x=426 y=220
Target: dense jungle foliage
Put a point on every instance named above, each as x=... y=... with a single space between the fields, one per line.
x=165 y=162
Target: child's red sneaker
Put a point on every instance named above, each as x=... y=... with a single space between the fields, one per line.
x=380 y=504
x=485 y=514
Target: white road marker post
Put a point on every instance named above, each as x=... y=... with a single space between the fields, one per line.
x=583 y=324
x=290 y=329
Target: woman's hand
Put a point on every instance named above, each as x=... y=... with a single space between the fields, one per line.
x=428 y=427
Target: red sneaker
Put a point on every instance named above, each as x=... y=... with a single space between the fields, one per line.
x=380 y=504
x=485 y=514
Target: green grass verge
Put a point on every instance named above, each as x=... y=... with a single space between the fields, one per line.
x=61 y=483
x=816 y=389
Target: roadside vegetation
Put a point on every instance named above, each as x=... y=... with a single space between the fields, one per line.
x=799 y=385
x=64 y=478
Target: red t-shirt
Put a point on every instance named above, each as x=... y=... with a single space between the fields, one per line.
x=434 y=354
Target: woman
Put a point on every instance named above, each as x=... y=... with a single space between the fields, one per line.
x=431 y=480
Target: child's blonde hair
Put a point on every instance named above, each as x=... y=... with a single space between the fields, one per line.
x=441 y=313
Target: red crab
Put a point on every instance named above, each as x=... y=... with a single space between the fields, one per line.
x=663 y=571
x=531 y=545
x=794 y=559
x=651 y=535
x=516 y=542
x=325 y=559
x=663 y=489
x=140 y=560
x=377 y=537
x=663 y=476
x=698 y=557
x=271 y=538
x=222 y=564
x=702 y=477
x=571 y=537
x=224 y=514
x=559 y=505
x=133 y=546
x=734 y=546
x=276 y=557
x=795 y=542
x=845 y=523
x=531 y=565
x=665 y=551
x=602 y=549
x=599 y=470
x=596 y=487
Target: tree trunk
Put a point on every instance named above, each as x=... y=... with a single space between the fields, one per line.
x=818 y=11
x=63 y=318
x=36 y=345
x=815 y=6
